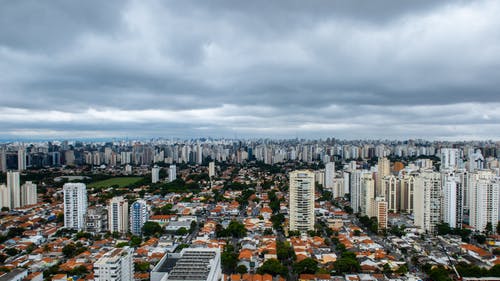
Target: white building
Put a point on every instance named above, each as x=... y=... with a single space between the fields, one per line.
x=452 y=203
x=14 y=186
x=28 y=194
x=483 y=199
x=330 y=175
x=172 y=173
x=200 y=264
x=391 y=190
x=21 y=159
x=115 y=265
x=427 y=200
x=211 y=169
x=383 y=170
x=155 y=174
x=450 y=158
x=118 y=214
x=367 y=195
x=4 y=196
x=75 y=205
x=302 y=200
x=138 y=216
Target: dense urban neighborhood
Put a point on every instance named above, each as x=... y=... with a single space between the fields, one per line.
x=250 y=210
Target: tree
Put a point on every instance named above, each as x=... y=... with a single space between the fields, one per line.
x=403 y=269
x=284 y=252
x=135 y=241
x=69 y=250
x=142 y=266
x=78 y=271
x=151 y=228
x=347 y=263
x=229 y=259
x=11 y=251
x=237 y=229
x=273 y=267
x=306 y=265
x=386 y=269
x=498 y=228
x=489 y=228
x=241 y=269
x=182 y=231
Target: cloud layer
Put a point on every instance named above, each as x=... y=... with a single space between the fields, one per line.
x=348 y=69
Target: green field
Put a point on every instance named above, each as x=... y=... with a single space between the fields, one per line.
x=121 y=182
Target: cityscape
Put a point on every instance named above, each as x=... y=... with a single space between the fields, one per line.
x=262 y=209
x=228 y=140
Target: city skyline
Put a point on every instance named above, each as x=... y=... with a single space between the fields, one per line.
x=353 y=70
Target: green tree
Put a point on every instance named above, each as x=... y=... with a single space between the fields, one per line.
x=69 y=250
x=241 y=269
x=498 y=228
x=151 y=228
x=142 y=266
x=347 y=263
x=182 y=231
x=135 y=241
x=403 y=269
x=273 y=267
x=285 y=252
x=489 y=228
x=11 y=251
x=229 y=259
x=306 y=265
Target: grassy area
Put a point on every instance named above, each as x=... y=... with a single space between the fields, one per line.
x=121 y=182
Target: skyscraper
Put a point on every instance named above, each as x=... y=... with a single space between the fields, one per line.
x=427 y=200
x=329 y=175
x=138 y=216
x=483 y=202
x=450 y=158
x=383 y=170
x=115 y=265
x=452 y=204
x=4 y=196
x=3 y=159
x=118 y=214
x=21 y=159
x=211 y=169
x=14 y=186
x=155 y=174
x=28 y=194
x=75 y=205
x=302 y=200
x=172 y=173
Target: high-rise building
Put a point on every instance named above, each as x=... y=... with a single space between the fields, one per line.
x=28 y=194
x=383 y=170
x=452 y=201
x=302 y=200
x=407 y=188
x=21 y=159
x=3 y=159
x=450 y=159
x=483 y=201
x=172 y=173
x=367 y=194
x=211 y=169
x=390 y=187
x=380 y=211
x=138 y=216
x=155 y=174
x=427 y=200
x=115 y=265
x=4 y=196
x=75 y=205
x=329 y=175
x=14 y=186
x=118 y=214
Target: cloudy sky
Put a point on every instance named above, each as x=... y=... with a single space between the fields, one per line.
x=347 y=69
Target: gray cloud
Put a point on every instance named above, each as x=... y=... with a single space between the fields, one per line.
x=253 y=68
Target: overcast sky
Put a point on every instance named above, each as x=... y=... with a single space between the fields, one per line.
x=345 y=69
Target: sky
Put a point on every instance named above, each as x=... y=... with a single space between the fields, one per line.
x=310 y=69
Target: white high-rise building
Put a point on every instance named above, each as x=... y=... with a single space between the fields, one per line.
x=115 y=265
x=75 y=205
x=302 y=200
x=211 y=169
x=407 y=192
x=4 y=196
x=172 y=173
x=484 y=199
x=118 y=214
x=3 y=160
x=383 y=170
x=367 y=195
x=427 y=200
x=330 y=175
x=28 y=194
x=21 y=159
x=155 y=174
x=450 y=158
x=138 y=216
x=452 y=203
x=14 y=185
x=390 y=187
